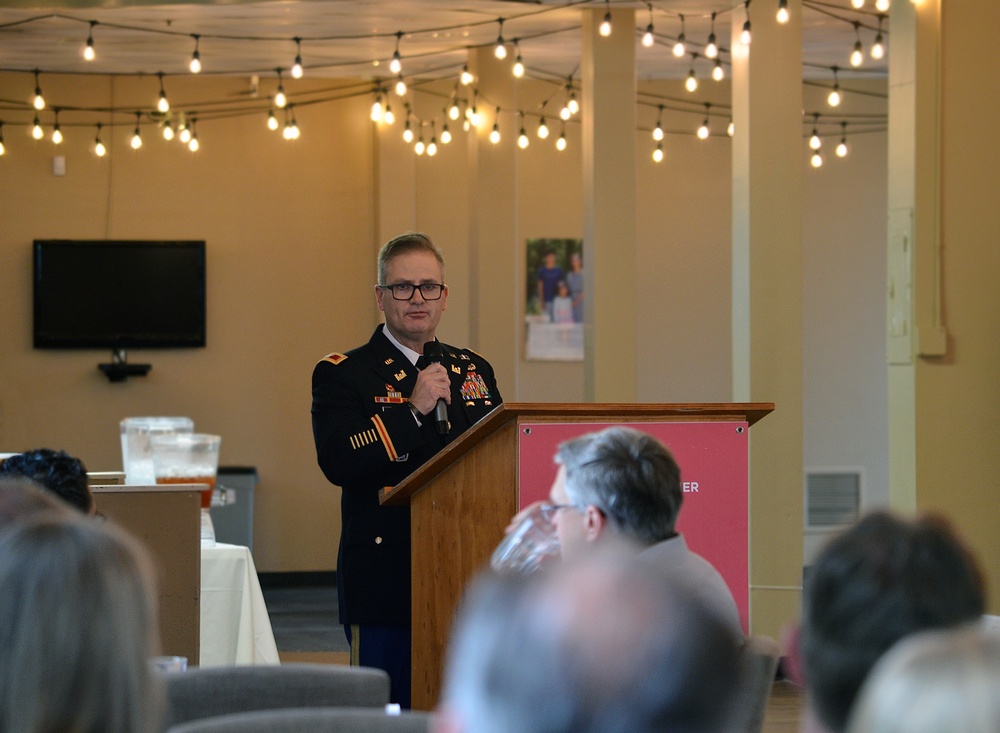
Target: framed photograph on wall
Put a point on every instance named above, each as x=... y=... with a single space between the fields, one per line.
x=554 y=300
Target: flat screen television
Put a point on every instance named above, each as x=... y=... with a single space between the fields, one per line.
x=118 y=294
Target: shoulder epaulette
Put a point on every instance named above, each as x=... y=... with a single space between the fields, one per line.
x=334 y=358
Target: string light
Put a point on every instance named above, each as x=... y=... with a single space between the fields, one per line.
x=432 y=146
x=396 y=65
x=168 y=131
x=841 y=150
x=878 y=48
x=522 y=137
x=466 y=76
x=454 y=112
x=648 y=38
x=815 y=141
x=39 y=100
x=518 y=62
x=605 y=28
x=272 y=121
x=89 y=54
x=731 y=129
x=501 y=50
x=658 y=130
x=193 y=144
x=718 y=73
x=691 y=84
x=783 y=16
x=99 y=150
x=280 y=100
x=858 y=54
x=445 y=134
x=704 y=131
x=835 y=97
x=495 y=132
x=297 y=71
x=711 y=48
x=408 y=132
x=816 y=160
x=57 y=136
x=195 y=65
x=658 y=153
x=136 y=141
x=882 y=6
x=400 y=86
x=745 y=37
x=420 y=147
x=388 y=117
x=679 y=48
x=162 y=104
x=543 y=129
x=377 y=113
x=572 y=104
x=36 y=129
x=561 y=143
x=293 y=129
x=857 y=4
x=2 y=148
x=184 y=132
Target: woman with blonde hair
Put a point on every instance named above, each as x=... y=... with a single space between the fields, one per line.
x=77 y=629
x=934 y=682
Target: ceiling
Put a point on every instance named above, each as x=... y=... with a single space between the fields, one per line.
x=352 y=38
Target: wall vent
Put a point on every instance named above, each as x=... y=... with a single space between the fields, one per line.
x=833 y=498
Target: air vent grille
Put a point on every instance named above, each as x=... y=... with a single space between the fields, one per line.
x=833 y=498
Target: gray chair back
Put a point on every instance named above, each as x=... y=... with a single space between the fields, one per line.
x=758 y=664
x=311 y=720
x=203 y=693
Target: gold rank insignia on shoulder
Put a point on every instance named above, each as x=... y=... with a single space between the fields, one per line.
x=472 y=367
x=334 y=358
x=400 y=375
x=456 y=369
x=464 y=356
x=389 y=361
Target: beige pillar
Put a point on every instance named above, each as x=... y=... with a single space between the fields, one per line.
x=767 y=301
x=609 y=187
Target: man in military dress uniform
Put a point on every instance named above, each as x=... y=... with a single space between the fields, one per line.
x=374 y=424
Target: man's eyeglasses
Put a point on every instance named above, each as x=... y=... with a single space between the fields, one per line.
x=405 y=291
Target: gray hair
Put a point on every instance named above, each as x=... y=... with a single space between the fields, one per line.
x=404 y=244
x=630 y=476
x=77 y=618
x=598 y=645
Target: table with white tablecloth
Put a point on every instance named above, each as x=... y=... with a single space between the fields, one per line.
x=235 y=627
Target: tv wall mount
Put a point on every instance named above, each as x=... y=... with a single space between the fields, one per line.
x=119 y=369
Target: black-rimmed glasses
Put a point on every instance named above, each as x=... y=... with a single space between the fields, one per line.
x=405 y=291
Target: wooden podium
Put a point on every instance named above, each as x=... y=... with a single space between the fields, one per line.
x=462 y=500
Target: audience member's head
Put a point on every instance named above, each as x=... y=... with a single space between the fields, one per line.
x=599 y=644
x=21 y=498
x=622 y=483
x=77 y=625
x=934 y=682
x=880 y=581
x=57 y=471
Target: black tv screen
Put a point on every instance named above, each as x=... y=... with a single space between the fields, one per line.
x=119 y=294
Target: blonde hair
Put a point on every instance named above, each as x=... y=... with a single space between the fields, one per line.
x=77 y=625
x=934 y=682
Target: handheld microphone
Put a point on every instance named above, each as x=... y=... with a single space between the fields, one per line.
x=435 y=355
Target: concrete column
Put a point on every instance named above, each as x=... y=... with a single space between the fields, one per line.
x=767 y=300
x=609 y=188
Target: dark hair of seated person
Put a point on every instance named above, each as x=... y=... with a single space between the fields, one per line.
x=57 y=471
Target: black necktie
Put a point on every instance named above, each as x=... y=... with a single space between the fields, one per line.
x=422 y=362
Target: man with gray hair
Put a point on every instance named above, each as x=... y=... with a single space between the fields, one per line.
x=596 y=644
x=624 y=484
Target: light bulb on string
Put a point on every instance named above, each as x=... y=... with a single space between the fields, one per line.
x=466 y=76
x=543 y=129
x=454 y=112
x=297 y=71
x=280 y=100
x=168 y=131
x=495 y=132
x=842 y=149
x=878 y=48
x=184 y=132
x=432 y=146
x=658 y=130
x=420 y=147
x=518 y=61
x=99 y=150
x=561 y=143
x=193 y=144
x=476 y=118
x=745 y=36
x=2 y=148
x=712 y=48
x=718 y=73
x=400 y=86
x=57 y=136
x=445 y=134
x=882 y=5
x=815 y=141
x=857 y=4
x=162 y=104
x=691 y=83
x=522 y=137
x=296 y=133
x=408 y=133
x=679 y=48
x=731 y=128
x=835 y=97
x=858 y=54
x=500 y=51
x=396 y=64
x=658 y=153
x=272 y=121
x=605 y=27
x=389 y=117
x=136 y=141
x=816 y=160
x=649 y=38
x=377 y=112
x=39 y=101
x=89 y=54
x=195 y=65
x=704 y=131
x=783 y=15
x=572 y=105
x=36 y=129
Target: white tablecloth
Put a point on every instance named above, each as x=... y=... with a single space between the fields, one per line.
x=235 y=627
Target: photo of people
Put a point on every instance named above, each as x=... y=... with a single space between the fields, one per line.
x=554 y=308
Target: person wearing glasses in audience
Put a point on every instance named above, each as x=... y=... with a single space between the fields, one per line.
x=623 y=485
x=374 y=422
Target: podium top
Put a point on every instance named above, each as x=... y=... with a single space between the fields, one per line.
x=750 y=412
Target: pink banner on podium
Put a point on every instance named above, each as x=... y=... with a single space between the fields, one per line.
x=714 y=516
